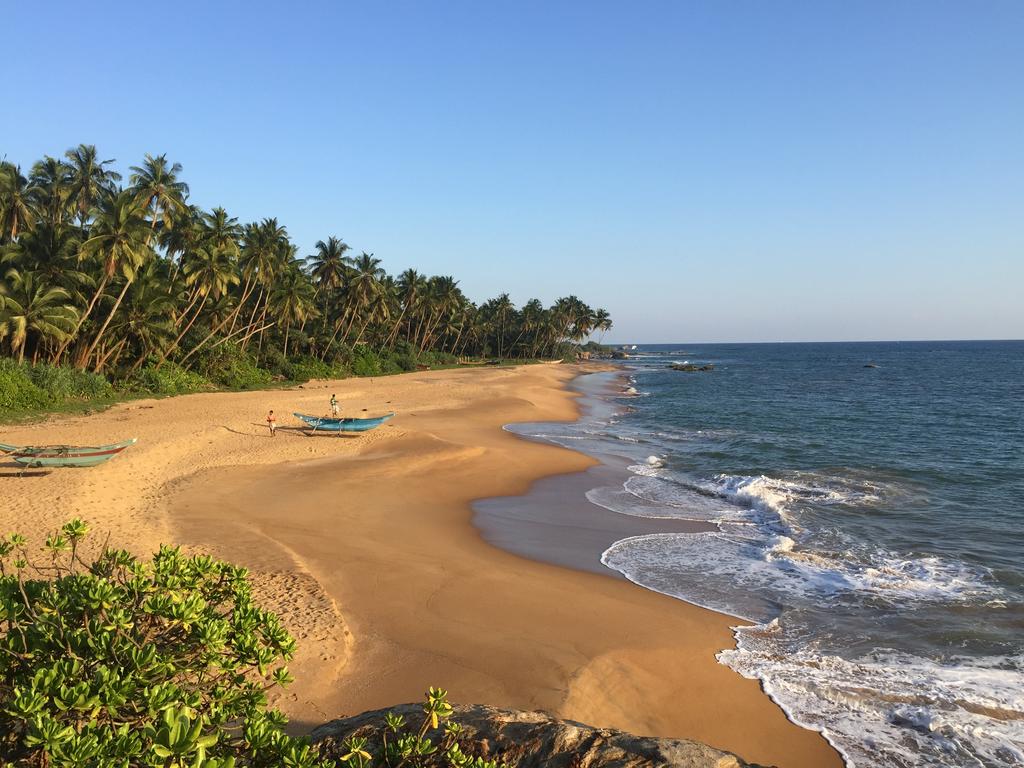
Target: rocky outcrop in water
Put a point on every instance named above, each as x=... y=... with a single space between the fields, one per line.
x=535 y=740
x=690 y=367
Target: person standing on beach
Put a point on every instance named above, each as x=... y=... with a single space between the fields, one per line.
x=334 y=406
x=272 y=423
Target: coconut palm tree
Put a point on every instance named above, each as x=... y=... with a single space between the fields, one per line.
x=30 y=307
x=209 y=272
x=50 y=189
x=16 y=209
x=330 y=264
x=90 y=179
x=119 y=238
x=292 y=298
x=602 y=323
x=158 y=190
x=221 y=231
x=362 y=287
x=146 y=318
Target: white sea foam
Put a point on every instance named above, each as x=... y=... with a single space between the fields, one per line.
x=887 y=709
x=894 y=709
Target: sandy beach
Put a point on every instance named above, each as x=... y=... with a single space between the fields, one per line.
x=365 y=545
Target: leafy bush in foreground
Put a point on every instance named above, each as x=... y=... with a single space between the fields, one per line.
x=121 y=662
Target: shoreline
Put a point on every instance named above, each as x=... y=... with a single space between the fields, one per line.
x=368 y=550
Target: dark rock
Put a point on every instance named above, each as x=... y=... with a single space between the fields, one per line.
x=536 y=740
x=691 y=367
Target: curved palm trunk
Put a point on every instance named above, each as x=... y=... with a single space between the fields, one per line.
x=177 y=341
x=246 y=291
x=252 y=317
x=88 y=310
x=83 y=363
x=392 y=338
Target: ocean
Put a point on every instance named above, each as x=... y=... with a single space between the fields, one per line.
x=867 y=504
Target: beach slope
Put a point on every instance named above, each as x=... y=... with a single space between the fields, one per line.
x=365 y=545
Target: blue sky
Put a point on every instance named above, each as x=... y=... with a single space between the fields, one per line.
x=707 y=171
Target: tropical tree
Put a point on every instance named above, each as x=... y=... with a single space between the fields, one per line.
x=292 y=298
x=119 y=238
x=29 y=307
x=89 y=179
x=157 y=189
x=16 y=209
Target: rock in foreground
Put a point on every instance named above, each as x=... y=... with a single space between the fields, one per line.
x=533 y=740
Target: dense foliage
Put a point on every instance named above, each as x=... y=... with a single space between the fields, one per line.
x=119 y=662
x=126 y=280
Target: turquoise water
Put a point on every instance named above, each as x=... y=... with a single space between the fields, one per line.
x=869 y=522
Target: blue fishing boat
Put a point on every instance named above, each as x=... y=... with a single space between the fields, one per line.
x=325 y=424
x=64 y=455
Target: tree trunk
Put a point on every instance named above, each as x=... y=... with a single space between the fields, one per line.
x=174 y=346
x=96 y=341
x=81 y=319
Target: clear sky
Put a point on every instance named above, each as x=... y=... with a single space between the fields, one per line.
x=707 y=171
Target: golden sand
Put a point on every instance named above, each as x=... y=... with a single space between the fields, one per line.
x=365 y=546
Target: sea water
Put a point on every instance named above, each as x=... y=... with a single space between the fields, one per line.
x=868 y=503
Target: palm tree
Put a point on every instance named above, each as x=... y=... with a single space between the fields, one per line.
x=210 y=272
x=89 y=179
x=30 y=306
x=50 y=188
x=602 y=323
x=292 y=298
x=409 y=287
x=157 y=189
x=221 y=231
x=16 y=209
x=363 y=285
x=146 y=320
x=503 y=308
x=120 y=239
x=329 y=263
x=444 y=297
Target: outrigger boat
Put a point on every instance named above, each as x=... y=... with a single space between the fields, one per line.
x=64 y=455
x=325 y=424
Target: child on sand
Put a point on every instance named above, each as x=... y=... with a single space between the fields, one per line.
x=334 y=405
x=272 y=423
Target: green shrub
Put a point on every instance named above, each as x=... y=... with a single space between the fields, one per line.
x=165 y=664
x=231 y=367
x=63 y=383
x=434 y=742
x=122 y=662
x=169 y=379
x=17 y=392
x=307 y=368
x=365 y=361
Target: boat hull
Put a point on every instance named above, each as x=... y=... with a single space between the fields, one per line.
x=324 y=424
x=64 y=455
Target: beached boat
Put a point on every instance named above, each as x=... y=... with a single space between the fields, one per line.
x=325 y=424
x=64 y=455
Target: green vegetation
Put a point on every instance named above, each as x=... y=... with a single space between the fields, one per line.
x=165 y=663
x=121 y=662
x=129 y=281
